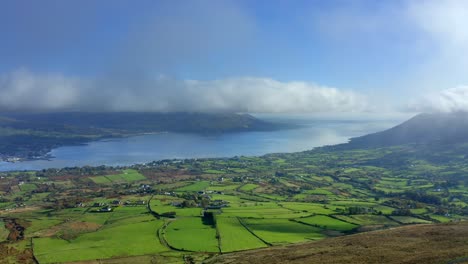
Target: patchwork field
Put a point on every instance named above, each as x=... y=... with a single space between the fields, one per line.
x=126 y=176
x=194 y=187
x=190 y=234
x=327 y=222
x=123 y=239
x=282 y=231
x=185 y=211
x=234 y=237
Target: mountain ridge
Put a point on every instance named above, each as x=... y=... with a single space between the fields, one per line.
x=425 y=128
x=33 y=135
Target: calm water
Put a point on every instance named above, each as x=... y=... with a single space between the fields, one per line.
x=146 y=148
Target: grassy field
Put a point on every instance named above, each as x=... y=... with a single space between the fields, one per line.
x=372 y=220
x=222 y=187
x=327 y=222
x=125 y=239
x=234 y=236
x=409 y=220
x=261 y=210
x=39 y=224
x=126 y=176
x=26 y=187
x=162 y=206
x=440 y=218
x=194 y=187
x=282 y=231
x=190 y=234
x=3 y=233
x=309 y=208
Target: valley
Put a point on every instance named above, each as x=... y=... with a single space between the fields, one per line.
x=192 y=210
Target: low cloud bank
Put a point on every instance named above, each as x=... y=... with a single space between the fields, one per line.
x=449 y=100
x=25 y=90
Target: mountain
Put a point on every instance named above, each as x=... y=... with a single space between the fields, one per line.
x=28 y=135
x=445 y=128
x=136 y=122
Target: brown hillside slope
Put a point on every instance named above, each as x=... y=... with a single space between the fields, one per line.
x=440 y=243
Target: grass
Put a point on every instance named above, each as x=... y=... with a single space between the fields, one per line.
x=409 y=220
x=234 y=236
x=260 y=210
x=194 y=187
x=27 y=187
x=126 y=176
x=131 y=176
x=282 y=231
x=327 y=222
x=190 y=234
x=161 y=207
x=224 y=187
x=440 y=218
x=3 y=233
x=309 y=208
x=248 y=187
x=42 y=223
x=214 y=171
x=100 y=179
x=318 y=192
x=120 y=240
x=418 y=211
x=372 y=220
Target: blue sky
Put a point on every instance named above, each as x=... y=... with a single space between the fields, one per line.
x=366 y=55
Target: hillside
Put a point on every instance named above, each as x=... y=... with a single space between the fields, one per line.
x=441 y=243
x=29 y=135
x=423 y=128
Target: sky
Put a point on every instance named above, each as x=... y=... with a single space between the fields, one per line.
x=264 y=56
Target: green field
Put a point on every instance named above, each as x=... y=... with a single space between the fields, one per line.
x=282 y=231
x=372 y=220
x=234 y=236
x=327 y=222
x=309 y=208
x=162 y=206
x=194 y=187
x=100 y=179
x=222 y=187
x=440 y=218
x=27 y=187
x=126 y=176
x=3 y=233
x=260 y=210
x=409 y=220
x=42 y=223
x=318 y=192
x=248 y=187
x=119 y=240
x=190 y=234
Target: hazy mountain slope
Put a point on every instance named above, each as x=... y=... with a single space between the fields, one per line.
x=138 y=122
x=26 y=135
x=423 y=128
x=441 y=243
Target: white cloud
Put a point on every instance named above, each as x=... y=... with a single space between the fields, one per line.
x=449 y=100
x=24 y=90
